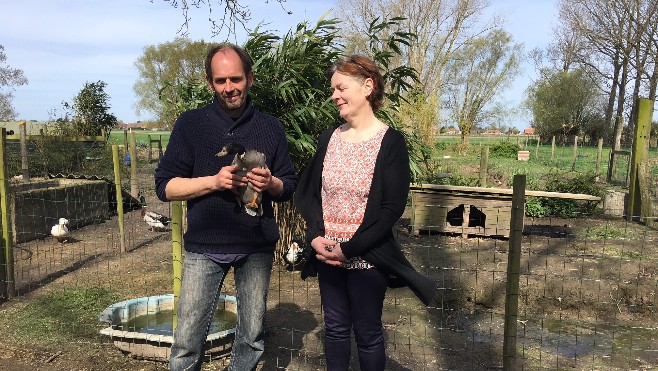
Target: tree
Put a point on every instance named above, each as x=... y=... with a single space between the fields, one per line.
x=618 y=39
x=90 y=108
x=161 y=69
x=562 y=102
x=441 y=28
x=9 y=78
x=480 y=70
x=418 y=114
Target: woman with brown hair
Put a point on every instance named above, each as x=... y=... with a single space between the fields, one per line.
x=351 y=194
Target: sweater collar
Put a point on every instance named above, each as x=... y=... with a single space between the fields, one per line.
x=231 y=123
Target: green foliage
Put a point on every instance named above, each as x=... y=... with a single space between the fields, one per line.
x=186 y=95
x=582 y=183
x=534 y=207
x=441 y=146
x=9 y=78
x=59 y=316
x=563 y=103
x=461 y=180
x=504 y=149
x=162 y=68
x=89 y=112
x=479 y=70
x=290 y=82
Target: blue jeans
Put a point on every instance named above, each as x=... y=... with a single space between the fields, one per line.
x=352 y=299
x=201 y=287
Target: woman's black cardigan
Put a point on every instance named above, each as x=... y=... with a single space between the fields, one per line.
x=373 y=240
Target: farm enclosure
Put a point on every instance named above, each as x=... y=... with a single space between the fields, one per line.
x=588 y=298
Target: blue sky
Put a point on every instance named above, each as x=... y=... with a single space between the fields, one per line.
x=61 y=45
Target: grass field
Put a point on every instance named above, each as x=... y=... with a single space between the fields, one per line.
x=544 y=160
x=141 y=137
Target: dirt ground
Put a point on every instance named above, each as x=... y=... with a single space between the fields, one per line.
x=580 y=282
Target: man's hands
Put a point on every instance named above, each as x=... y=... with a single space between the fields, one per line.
x=328 y=251
x=227 y=179
x=260 y=178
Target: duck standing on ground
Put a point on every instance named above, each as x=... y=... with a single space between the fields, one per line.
x=296 y=254
x=155 y=220
x=60 y=230
x=246 y=160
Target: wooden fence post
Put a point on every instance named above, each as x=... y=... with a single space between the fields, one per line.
x=150 y=158
x=117 y=186
x=513 y=273
x=639 y=201
x=23 y=138
x=177 y=257
x=537 y=148
x=484 y=165
x=599 y=154
x=134 y=189
x=160 y=153
x=575 y=152
x=553 y=148
x=7 y=281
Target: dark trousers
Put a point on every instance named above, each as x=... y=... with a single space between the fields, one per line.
x=353 y=299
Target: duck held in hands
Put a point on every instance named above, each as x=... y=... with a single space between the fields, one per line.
x=246 y=159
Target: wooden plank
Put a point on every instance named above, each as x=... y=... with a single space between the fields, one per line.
x=501 y=191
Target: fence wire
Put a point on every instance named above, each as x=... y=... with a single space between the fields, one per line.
x=587 y=289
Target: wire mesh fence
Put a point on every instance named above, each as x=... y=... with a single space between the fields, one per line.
x=587 y=295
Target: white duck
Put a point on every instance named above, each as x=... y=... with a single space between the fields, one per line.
x=60 y=231
x=155 y=220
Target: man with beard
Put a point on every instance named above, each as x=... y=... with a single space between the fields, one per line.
x=220 y=235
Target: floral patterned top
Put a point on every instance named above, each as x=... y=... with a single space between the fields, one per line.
x=346 y=179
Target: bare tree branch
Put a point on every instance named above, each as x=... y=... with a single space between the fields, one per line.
x=234 y=14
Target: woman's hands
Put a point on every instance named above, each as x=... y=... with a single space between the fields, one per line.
x=328 y=251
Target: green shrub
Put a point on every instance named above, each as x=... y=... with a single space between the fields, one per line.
x=460 y=180
x=441 y=146
x=582 y=183
x=504 y=149
x=534 y=207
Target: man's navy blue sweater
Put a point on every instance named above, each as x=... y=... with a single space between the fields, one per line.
x=216 y=222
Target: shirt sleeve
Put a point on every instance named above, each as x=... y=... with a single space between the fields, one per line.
x=176 y=161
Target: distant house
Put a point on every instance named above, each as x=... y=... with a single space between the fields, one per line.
x=451 y=131
x=529 y=131
x=492 y=132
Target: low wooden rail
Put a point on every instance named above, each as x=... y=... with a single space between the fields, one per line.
x=469 y=210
